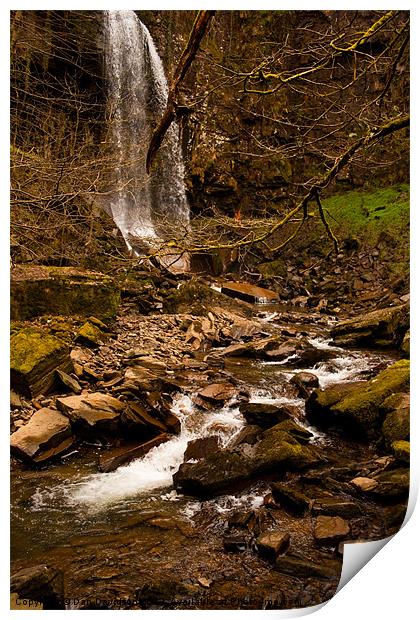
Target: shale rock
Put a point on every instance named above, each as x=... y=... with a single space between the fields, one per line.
x=94 y=413
x=385 y=327
x=330 y=530
x=34 y=357
x=47 y=434
x=271 y=544
x=290 y=498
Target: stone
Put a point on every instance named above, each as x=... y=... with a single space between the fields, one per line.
x=304 y=381
x=139 y=379
x=405 y=345
x=364 y=484
x=218 y=393
x=330 y=530
x=290 y=498
x=90 y=335
x=249 y=434
x=15 y=400
x=301 y=566
x=392 y=485
x=271 y=544
x=201 y=448
x=68 y=382
x=138 y=420
x=396 y=425
x=40 y=583
x=220 y=472
x=125 y=454
x=401 y=451
x=357 y=410
x=39 y=290
x=336 y=506
x=34 y=357
x=384 y=327
x=250 y=293
x=278 y=450
x=264 y=415
x=47 y=434
x=93 y=413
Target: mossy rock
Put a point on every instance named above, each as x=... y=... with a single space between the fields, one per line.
x=34 y=356
x=91 y=335
x=405 y=345
x=39 y=290
x=401 y=450
x=359 y=411
x=279 y=449
x=397 y=422
x=276 y=268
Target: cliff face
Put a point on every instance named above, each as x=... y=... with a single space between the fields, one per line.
x=245 y=152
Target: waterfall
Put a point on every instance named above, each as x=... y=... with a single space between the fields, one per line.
x=145 y=209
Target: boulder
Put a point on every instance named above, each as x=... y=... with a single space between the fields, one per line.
x=290 y=498
x=278 y=450
x=385 y=327
x=94 y=413
x=330 y=530
x=220 y=472
x=358 y=409
x=47 y=434
x=396 y=425
x=39 y=290
x=304 y=381
x=271 y=544
x=201 y=448
x=40 y=583
x=264 y=415
x=35 y=355
x=392 y=485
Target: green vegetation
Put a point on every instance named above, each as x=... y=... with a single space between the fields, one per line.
x=366 y=213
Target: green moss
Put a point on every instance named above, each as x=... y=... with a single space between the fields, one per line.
x=396 y=426
x=90 y=335
x=280 y=449
x=362 y=405
x=401 y=450
x=30 y=346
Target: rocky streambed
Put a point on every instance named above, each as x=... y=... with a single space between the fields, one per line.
x=208 y=460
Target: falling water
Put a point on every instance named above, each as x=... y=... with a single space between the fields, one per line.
x=145 y=209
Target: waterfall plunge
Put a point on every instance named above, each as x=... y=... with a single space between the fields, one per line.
x=145 y=209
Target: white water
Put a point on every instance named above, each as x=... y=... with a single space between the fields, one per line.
x=144 y=208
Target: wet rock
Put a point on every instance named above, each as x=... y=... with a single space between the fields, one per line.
x=39 y=290
x=241 y=518
x=250 y=293
x=392 y=485
x=364 y=484
x=94 y=413
x=295 y=430
x=264 y=415
x=68 y=382
x=304 y=381
x=40 y=583
x=47 y=434
x=137 y=420
x=336 y=506
x=236 y=542
x=301 y=566
x=218 y=393
x=271 y=544
x=290 y=498
x=247 y=435
x=384 y=327
x=278 y=450
x=401 y=451
x=219 y=472
x=330 y=530
x=356 y=411
x=125 y=454
x=201 y=448
x=396 y=425
x=34 y=357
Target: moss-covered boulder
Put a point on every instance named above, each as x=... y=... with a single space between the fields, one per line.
x=383 y=328
x=39 y=290
x=392 y=485
x=358 y=410
x=396 y=425
x=281 y=449
x=401 y=450
x=35 y=355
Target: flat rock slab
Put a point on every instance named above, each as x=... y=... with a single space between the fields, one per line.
x=250 y=293
x=218 y=393
x=39 y=290
x=35 y=355
x=382 y=327
x=95 y=412
x=123 y=455
x=329 y=530
x=47 y=434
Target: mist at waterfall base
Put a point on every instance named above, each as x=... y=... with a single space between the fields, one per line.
x=146 y=209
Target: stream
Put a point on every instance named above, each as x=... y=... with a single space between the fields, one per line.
x=115 y=533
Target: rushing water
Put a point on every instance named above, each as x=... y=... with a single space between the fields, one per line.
x=144 y=208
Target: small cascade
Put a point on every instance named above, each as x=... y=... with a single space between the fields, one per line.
x=145 y=209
